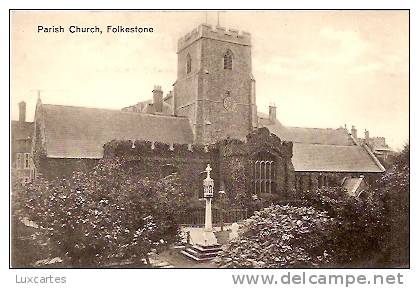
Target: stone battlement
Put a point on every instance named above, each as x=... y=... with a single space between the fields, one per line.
x=141 y=147
x=217 y=33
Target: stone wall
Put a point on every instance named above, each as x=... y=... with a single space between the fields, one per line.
x=230 y=159
x=157 y=160
x=200 y=94
x=312 y=180
x=237 y=158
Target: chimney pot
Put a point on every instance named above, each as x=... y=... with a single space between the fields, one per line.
x=354 y=132
x=367 y=135
x=272 y=113
x=22 y=111
x=158 y=98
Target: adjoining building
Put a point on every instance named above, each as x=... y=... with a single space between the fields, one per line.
x=210 y=116
x=21 y=140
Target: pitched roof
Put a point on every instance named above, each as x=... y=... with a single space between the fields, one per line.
x=326 y=136
x=22 y=130
x=324 y=149
x=332 y=158
x=79 y=132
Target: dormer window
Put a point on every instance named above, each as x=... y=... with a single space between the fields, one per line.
x=188 y=64
x=228 y=60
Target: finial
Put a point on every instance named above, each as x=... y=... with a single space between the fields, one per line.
x=208 y=170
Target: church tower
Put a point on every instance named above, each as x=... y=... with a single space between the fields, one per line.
x=215 y=88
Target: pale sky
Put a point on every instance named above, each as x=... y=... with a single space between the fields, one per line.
x=321 y=68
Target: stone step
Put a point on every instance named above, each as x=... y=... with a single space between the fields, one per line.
x=202 y=254
x=207 y=248
x=196 y=258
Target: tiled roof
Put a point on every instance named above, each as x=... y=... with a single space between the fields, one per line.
x=21 y=130
x=326 y=136
x=79 y=132
x=332 y=158
x=324 y=149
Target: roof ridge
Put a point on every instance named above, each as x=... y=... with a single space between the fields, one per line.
x=118 y=111
x=328 y=128
x=321 y=144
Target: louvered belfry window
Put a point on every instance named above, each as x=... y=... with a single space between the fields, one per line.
x=263 y=174
x=228 y=60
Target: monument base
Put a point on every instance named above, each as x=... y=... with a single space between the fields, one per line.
x=207 y=239
x=204 y=248
x=202 y=253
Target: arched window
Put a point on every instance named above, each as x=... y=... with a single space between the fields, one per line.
x=263 y=173
x=228 y=60
x=188 y=64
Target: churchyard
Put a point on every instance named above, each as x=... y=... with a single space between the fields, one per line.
x=86 y=221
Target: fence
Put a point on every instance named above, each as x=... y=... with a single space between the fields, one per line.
x=197 y=217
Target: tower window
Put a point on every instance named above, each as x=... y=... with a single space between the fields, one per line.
x=228 y=60
x=188 y=64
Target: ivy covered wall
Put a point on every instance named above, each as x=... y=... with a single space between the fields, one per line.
x=231 y=161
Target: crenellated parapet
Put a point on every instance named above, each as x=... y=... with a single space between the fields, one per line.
x=141 y=148
x=216 y=33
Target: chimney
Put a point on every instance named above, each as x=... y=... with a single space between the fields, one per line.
x=22 y=111
x=272 y=113
x=157 y=98
x=367 y=135
x=354 y=132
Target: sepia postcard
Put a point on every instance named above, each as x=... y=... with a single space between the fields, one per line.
x=210 y=139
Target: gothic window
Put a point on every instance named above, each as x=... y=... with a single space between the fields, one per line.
x=26 y=161
x=322 y=181
x=228 y=60
x=188 y=64
x=263 y=173
x=19 y=160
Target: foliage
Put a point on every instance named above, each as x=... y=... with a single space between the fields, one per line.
x=237 y=195
x=358 y=235
x=350 y=232
x=109 y=213
x=281 y=236
x=394 y=189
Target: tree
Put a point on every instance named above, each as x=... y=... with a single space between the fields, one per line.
x=108 y=213
x=393 y=189
x=357 y=238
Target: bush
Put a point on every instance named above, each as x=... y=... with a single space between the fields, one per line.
x=281 y=236
x=106 y=214
x=358 y=235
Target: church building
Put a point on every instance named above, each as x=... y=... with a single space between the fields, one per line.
x=210 y=117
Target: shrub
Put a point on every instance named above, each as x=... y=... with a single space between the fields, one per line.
x=281 y=236
x=106 y=214
x=358 y=235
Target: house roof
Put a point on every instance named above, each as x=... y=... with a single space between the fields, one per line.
x=79 y=132
x=327 y=136
x=332 y=158
x=22 y=130
x=324 y=149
